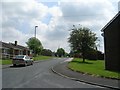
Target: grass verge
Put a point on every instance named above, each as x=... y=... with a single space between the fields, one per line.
x=42 y=58
x=5 y=62
x=94 y=68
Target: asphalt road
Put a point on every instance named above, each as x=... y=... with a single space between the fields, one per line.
x=38 y=75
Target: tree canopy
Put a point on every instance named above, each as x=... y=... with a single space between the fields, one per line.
x=46 y=52
x=81 y=40
x=60 y=52
x=35 y=45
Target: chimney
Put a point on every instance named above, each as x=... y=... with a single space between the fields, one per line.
x=15 y=43
x=119 y=6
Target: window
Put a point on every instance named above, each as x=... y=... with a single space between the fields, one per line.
x=19 y=57
x=27 y=57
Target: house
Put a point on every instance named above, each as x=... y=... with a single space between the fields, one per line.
x=111 y=43
x=9 y=50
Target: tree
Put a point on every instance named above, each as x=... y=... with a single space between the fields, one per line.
x=35 y=45
x=81 y=40
x=94 y=54
x=55 y=54
x=67 y=54
x=60 y=52
x=46 y=52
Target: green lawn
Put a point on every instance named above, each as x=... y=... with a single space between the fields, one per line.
x=95 y=68
x=5 y=62
x=42 y=58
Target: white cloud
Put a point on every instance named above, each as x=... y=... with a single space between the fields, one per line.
x=20 y=18
x=11 y=35
x=93 y=14
x=15 y=14
x=55 y=11
x=87 y=10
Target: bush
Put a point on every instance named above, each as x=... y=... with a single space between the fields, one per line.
x=100 y=55
x=94 y=55
x=46 y=52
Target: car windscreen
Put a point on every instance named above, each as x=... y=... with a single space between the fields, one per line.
x=19 y=57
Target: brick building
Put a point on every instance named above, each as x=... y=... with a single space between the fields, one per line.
x=9 y=50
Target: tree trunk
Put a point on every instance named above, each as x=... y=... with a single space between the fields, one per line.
x=83 y=59
x=83 y=56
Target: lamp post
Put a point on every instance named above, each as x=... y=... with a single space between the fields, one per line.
x=35 y=37
x=35 y=30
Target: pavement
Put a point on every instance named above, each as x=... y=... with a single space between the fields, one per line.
x=62 y=70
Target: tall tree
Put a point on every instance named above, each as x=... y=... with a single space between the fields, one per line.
x=81 y=39
x=60 y=52
x=35 y=45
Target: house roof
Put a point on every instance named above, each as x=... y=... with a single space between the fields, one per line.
x=110 y=21
x=5 y=45
x=11 y=45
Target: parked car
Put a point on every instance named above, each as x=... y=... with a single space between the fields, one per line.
x=22 y=60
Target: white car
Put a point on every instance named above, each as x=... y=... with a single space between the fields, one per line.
x=22 y=60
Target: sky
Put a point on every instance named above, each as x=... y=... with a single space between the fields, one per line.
x=54 y=19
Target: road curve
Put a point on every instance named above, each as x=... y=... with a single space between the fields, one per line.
x=39 y=75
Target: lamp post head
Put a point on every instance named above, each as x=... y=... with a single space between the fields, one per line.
x=36 y=26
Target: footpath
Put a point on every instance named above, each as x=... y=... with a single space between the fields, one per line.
x=63 y=70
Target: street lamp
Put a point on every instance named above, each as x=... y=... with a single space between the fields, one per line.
x=35 y=30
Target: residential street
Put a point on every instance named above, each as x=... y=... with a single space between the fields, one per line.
x=38 y=76
x=57 y=44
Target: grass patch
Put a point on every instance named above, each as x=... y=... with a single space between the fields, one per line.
x=5 y=62
x=42 y=58
x=95 y=68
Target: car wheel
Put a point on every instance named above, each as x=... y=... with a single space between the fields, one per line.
x=31 y=63
x=25 y=63
x=14 y=65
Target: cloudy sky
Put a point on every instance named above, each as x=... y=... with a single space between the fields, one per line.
x=54 y=19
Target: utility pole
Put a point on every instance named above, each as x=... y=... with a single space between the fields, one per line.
x=35 y=30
